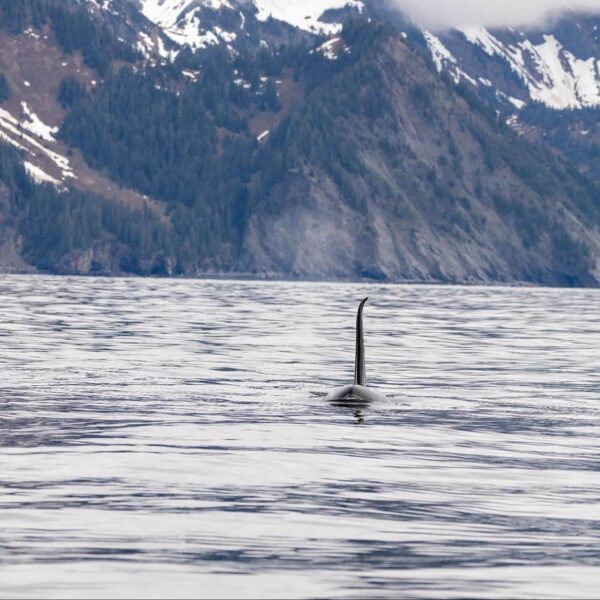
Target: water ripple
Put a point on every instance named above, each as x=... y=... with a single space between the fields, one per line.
x=172 y=439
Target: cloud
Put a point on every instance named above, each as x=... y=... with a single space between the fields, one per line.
x=441 y=14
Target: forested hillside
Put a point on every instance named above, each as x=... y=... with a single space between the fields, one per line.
x=101 y=234
x=316 y=156
x=405 y=175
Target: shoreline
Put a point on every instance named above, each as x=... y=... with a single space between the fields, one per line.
x=249 y=278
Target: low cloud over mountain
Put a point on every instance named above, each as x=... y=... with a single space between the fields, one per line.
x=441 y=14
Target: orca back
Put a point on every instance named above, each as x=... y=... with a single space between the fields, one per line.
x=357 y=392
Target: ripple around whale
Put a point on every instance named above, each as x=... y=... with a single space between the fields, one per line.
x=173 y=439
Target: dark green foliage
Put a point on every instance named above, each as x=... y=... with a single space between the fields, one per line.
x=573 y=132
x=571 y=255
x=188 y=142
x=13 y=175
x=188 y=147
x=269 y=100
x=366 y=37
x=423 y=97
x=328 y=132
x=4 y=88
x=55 y=224
x=315 y=134
x=146 y=137
x=70 y=92
x=75 y=27
x=475 y=102
x=17 y=15
x=542 y=171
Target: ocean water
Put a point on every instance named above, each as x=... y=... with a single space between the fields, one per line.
x=165 y=438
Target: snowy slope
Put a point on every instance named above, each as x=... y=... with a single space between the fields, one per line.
x=558 y=67
x=553 y=75
x=181 y=21
x=305 y=14
x=36 y=141
x=188 y=22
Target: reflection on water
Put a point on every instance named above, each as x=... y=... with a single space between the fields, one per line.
x=172 y=438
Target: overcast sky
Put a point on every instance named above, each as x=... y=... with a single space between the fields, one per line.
x=438 y=14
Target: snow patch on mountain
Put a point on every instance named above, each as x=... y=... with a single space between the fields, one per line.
x=192 y=75
x=181 y=21
x=106 y=5
x=305 y=14
x=35 y=125
x=39 y=175
x=150 y=46
x=31 y=136
x=439 y=53
x=517 y=103
x=553 y=75
x=444 y=59
x=332 y=49
x=166 y=13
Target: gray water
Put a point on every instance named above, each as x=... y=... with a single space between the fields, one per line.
x=172 y=439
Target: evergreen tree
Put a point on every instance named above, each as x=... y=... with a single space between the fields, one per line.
x=4 y=88
x=70 y=92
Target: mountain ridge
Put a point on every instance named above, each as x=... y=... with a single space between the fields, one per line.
x=345 y=151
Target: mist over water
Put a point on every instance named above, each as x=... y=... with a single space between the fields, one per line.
x=164 y=438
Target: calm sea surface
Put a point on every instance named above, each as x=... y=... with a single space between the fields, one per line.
x=172 y=439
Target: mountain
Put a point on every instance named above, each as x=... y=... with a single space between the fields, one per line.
x=417 y=180
x=199 y=23
x=556 y=66
x=323 y=139
x=545 y=80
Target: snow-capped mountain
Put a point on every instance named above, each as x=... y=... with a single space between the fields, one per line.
x=183 y=23
x=307 y=15
x=201 y=23
x=558 y=66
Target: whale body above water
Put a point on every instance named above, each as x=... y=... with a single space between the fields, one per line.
x=358 y=391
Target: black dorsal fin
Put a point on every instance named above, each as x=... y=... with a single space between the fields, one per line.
x=360 y=374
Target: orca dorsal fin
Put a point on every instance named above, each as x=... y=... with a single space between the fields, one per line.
x=360 y=374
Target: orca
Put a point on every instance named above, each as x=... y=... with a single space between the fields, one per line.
x=358 y=392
